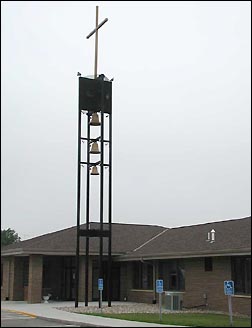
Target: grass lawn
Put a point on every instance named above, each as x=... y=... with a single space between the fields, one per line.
x=183 y=319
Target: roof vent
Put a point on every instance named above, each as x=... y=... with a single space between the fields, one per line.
x=211 y=236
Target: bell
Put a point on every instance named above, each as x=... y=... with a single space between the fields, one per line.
x=95 y=148
x=94 y=171
x=95 y=119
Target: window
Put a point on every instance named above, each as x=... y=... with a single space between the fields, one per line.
x=142 y=275
x=208 y=264
x=241 y=274
x=172 y=273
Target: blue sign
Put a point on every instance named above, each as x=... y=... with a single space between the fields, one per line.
x=159 y=286
x=100 y=284
x=229 y=287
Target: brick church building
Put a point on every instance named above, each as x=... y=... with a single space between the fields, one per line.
x=193 y=261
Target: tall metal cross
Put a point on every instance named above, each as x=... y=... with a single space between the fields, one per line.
x=96 y=39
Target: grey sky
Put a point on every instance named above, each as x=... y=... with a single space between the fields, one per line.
x=181 y=110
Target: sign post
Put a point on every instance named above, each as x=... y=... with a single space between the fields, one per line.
x=159 y=290
x=100 y=288
x=229 y=291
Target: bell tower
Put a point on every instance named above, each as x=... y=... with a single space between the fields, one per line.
x=95 y=101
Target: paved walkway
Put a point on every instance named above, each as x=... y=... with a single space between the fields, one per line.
x=50 y=311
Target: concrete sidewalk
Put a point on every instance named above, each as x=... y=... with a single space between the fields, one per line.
x=49 y=311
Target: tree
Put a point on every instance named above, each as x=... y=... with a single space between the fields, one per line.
x=9 y=236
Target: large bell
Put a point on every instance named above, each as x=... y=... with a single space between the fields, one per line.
x=94 y=171
x=95 y=148
x=95 y=120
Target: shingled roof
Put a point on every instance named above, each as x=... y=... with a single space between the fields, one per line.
x=231 y=237
x=125 y=238
x=134 y=241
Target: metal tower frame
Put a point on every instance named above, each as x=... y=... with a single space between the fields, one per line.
x=95 y=95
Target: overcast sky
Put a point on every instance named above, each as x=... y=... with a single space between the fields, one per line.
x=181 y=111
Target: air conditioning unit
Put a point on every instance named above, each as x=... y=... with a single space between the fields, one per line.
x=173 y=300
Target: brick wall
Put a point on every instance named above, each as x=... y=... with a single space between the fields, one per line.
x=81 y=296
x=141 y=296
x=211 y=283
x=16 y=286
x=198 y=283
x=35 y=279
x=241 y=304
x=12 y=288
